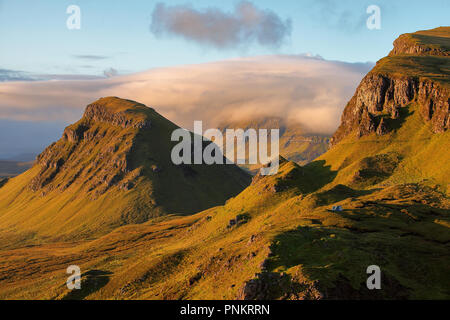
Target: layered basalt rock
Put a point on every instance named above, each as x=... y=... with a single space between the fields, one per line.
x=382 y=94
x=412 y=44
x=124 y=119
x=109 y=158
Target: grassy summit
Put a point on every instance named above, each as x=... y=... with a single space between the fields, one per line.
x=423 y=55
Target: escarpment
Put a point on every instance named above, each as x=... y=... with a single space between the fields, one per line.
x=96 y=151
x=414 y=72
x=423 y=43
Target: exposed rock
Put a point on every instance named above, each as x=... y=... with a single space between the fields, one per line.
x=410 y=44
x=395 y=114
x=378 y=94
x=264 y=287
x=252 y=239
x=240 y=219
x=384 y=91
x=74 y=133
x=272 y=285
x=98 y=112
x=434 y=105
x=382 y=128
x=366 y=124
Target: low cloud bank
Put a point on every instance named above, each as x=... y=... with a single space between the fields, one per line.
x=309 y=91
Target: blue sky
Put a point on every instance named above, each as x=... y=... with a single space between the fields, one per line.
x=116 y=34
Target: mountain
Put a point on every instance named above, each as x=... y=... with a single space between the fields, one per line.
x=111 y=168
x=295 y=145
x=280 y=237
x=395 y=128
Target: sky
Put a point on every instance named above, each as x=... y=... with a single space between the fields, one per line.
x=119 y=37
x=197 y=60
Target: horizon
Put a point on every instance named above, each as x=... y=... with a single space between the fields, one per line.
x=79 y=47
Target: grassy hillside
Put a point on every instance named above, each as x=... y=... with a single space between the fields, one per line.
x=286 y=243
x=277 y=239
x=106 y=172
x=410 y=153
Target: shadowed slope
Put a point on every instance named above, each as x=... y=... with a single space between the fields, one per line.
x=280 y=238
x=111 y=168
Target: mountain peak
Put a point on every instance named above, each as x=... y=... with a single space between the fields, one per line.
x=121 y=112
x=114 y=167
x=415 y=72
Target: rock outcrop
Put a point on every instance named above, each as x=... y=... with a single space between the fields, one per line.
x=384 y=91
x=419 y=43
x=109 y=153
x=125 y=119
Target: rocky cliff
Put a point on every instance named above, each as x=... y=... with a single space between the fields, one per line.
x=414 y=72
x=98 y=137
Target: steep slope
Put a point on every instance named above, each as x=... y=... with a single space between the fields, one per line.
x=399 y=117
x=276 y=240
x=112 y=167
x=295 y=145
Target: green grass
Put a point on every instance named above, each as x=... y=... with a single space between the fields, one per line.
x=438 y=38
x=393 y=190
x=421 y=67
x=80 y=193
x=412 y=153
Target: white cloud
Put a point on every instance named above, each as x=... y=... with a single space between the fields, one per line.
x=220 y=29
x=308 y=91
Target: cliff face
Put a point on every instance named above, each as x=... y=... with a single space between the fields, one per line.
x=98 y=112
x=104 y=135
x=395 y=82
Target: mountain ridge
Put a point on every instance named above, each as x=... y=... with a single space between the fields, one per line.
x=282 y=236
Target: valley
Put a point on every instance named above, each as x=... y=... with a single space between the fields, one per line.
x=107 y=198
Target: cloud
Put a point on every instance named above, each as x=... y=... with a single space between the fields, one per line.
x=308 y=91
x=7 y=75
x=90 y=57
x=335 y=15
x=111 y=72
x=223 y=30
x=14 y=75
